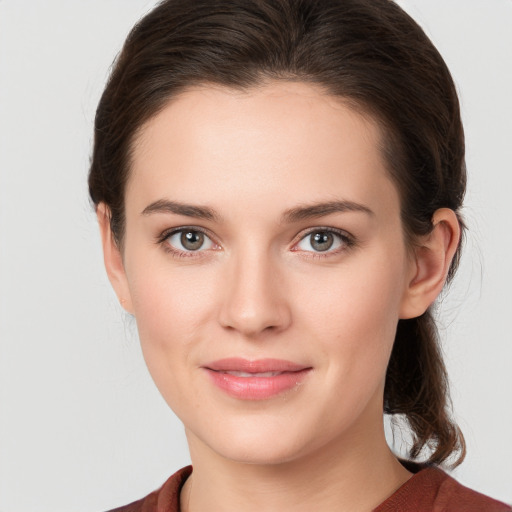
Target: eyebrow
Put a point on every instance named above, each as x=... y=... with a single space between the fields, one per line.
x=187 y=210
x=321 y=209
x=290 y=216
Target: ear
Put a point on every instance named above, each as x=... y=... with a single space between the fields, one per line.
x=431 y=261
x=113 y=259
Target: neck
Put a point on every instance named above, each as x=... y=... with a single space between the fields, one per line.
x=354 y=474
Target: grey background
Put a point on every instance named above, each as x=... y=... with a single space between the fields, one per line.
x=82 y=426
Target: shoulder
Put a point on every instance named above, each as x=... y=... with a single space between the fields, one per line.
x=454 y=496
x=431 y=489
x=165 y=499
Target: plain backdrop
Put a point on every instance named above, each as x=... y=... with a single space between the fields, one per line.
x=82 y=426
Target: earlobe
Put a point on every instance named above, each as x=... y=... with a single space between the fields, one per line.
x=431 y=262
x=112 y=258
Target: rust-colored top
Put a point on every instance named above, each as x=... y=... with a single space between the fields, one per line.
x=429 y=490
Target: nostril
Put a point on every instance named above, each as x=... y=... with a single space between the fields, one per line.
x=252 y=301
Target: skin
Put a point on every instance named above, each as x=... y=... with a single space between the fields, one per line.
x=258 y=289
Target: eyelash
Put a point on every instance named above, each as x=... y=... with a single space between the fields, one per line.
x=177 y=253
x=347 y=241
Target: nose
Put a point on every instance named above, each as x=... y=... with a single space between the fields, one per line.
x=254 y=300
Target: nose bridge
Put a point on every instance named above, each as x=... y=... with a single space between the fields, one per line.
x=254 y=300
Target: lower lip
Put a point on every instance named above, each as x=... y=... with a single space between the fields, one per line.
x=257 y=388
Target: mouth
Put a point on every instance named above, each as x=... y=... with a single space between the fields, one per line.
x=248 y=374
x=256 y=380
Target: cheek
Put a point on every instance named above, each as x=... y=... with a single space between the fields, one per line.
x=172 y=308
x=168 y=302
x=353 y=314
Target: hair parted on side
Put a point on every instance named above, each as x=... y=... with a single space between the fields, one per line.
x=369 y=53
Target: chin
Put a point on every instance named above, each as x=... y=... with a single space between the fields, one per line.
x=257 y=442
x=268 y=454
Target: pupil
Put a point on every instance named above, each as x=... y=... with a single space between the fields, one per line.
x=192 y=240
x=322 y=241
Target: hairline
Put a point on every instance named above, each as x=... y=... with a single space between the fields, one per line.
x=388 y=141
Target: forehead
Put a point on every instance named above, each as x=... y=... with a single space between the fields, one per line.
x=284 y=138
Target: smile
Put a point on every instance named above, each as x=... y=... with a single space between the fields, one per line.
x=255 y=380
x=247 y=374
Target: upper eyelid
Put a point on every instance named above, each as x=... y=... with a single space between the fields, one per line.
x=323 y=229
x=161 y=240
x=300 y=236
x=171 y=231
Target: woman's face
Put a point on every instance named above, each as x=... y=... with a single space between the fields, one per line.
x=265 y=264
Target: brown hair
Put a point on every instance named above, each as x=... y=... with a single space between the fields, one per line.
x=368 y=52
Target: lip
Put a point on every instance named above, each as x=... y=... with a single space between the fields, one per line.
x=255 y=380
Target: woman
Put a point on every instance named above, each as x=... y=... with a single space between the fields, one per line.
x=278 y=187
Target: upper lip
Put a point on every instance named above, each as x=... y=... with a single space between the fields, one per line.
x=237 y=364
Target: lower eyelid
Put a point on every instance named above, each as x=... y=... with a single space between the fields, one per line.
x=163 y=239
x=345 y=242
x=343 y=238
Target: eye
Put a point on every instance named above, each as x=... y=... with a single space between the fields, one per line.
x=323 y=240
x=189 y=240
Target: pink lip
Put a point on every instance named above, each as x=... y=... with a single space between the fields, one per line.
x=258 y=387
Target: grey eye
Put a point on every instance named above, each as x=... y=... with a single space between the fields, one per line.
x=192 y=240
x=321 y=241
x=189 y=240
